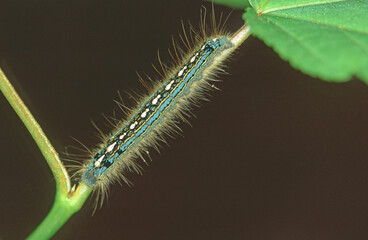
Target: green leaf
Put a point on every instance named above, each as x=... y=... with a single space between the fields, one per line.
x=232 y=3
x=271 y=6
x=325 y=39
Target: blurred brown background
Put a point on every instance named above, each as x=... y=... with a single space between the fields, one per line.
x=275 y=155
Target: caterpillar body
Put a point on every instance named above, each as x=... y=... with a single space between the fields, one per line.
x=152 y=112
x=157 y=115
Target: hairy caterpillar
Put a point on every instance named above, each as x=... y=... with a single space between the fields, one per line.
x=157 y=114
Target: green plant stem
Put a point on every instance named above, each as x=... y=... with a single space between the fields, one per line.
x=63 y=208
x=58 y=170
x=240 y=36
x=67 y=201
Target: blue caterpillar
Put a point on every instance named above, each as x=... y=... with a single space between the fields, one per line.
x=156 y=115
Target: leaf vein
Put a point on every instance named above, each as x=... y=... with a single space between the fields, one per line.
x=308 y=49
x=298 y=6
x=318 y=23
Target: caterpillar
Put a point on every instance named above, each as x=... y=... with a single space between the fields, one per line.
x=159 y=113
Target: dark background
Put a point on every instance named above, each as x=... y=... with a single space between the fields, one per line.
x=275 y=155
